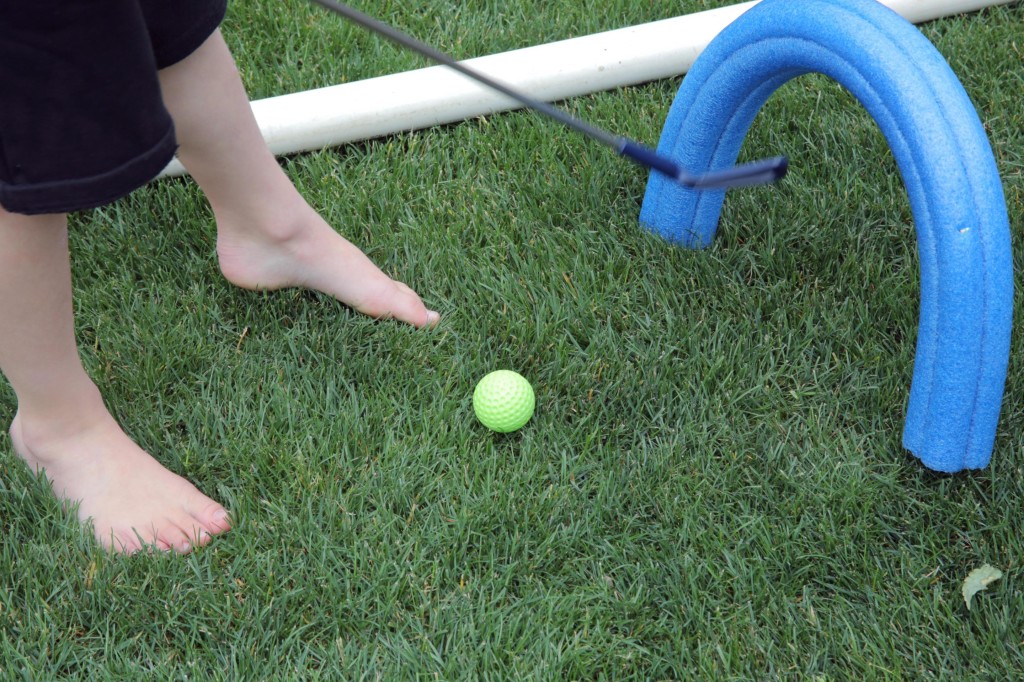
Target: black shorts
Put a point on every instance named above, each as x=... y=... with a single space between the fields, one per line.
x=82 y=121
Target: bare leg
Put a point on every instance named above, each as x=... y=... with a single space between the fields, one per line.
x=62 y=425
x=268 y=237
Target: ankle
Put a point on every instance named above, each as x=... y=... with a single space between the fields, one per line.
x=275 y=223
x=72 y=413
x=267 y=196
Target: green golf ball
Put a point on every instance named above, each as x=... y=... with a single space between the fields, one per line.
x=503 y=401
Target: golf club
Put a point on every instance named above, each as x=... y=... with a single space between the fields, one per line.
x=744 y=175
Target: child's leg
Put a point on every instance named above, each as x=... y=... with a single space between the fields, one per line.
x=267 y=235
x=62 y=425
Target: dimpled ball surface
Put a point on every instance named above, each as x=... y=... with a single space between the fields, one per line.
x=503 y=401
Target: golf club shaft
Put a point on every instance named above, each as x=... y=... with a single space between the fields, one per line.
x=756 y=173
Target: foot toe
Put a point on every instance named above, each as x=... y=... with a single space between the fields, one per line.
x=213 y=519
x=123 y=541
x=173 y=539
x=407 y=306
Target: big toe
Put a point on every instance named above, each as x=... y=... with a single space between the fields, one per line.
x=212 y=518
x=403 y=304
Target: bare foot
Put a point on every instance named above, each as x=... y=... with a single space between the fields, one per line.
x=131 y=500
x=299 y=249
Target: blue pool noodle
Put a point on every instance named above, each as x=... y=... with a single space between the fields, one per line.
x=947 y=166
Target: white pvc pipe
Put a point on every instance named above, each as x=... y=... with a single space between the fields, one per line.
x=412 y=100
x=917 y=11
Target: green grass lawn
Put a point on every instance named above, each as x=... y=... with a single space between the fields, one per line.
x=713 y=485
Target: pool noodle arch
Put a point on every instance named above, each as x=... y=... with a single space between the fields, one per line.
x=947 y=167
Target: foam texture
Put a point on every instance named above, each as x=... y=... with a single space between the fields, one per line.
x=947 y=166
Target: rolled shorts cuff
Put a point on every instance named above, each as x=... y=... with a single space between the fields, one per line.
x=65 y=196
x=173 y=49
